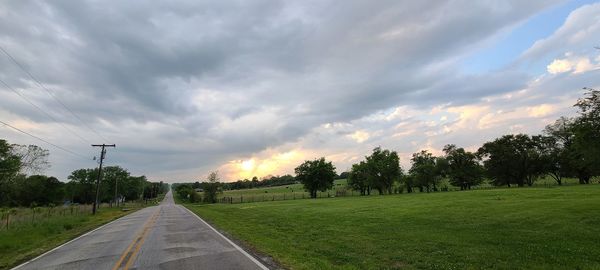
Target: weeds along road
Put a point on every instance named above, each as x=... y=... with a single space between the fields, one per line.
x=166 y=236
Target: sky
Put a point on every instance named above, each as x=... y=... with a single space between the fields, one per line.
x=254 y=88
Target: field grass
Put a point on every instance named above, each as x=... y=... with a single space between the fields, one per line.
x=288 y=192
x=517 y=228
x=285 y=192
x=27 y=240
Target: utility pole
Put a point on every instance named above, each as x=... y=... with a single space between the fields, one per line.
x=102 y=155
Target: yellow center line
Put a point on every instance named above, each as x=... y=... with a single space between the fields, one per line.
x=137 y=242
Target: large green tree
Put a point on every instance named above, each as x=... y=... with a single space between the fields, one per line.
x=384 y=169
x=461 y=167
x=512 y=159
x=316 y=175
x=425 y=171
x=587 y=134
x=358 y=178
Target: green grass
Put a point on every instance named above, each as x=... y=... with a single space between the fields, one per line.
x=526 y=228
x=297 y=190
x=28 y=240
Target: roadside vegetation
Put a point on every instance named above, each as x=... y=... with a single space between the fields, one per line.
x=39 y=212
x=505 y=228
x=30 y=238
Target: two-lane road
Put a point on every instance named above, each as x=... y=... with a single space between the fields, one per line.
x=166 y=236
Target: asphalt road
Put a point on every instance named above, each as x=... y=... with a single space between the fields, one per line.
x=166 y=236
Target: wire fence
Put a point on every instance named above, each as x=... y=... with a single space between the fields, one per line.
x=13 y=218
x=347 y=192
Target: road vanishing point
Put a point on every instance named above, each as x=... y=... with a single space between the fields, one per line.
x=166 y=236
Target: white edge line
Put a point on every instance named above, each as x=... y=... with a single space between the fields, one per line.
x=72 y=240
x=262 y=266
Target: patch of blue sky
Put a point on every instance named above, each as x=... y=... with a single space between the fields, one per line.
x=507 y=47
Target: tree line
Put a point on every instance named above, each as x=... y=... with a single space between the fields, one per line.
x=570 y=147
x=23 y=184
x=209 y=188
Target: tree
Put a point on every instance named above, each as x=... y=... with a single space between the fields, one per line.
x=384 y=169
x=316 y=175
x=34 y=159
x=187 y=192
x=10 y=164
x=82 y=185
x=512 y=159
x=114 y=183
x=38 y=190
x=211 y=187
x=358 y=178
x=587 y=134
x=462 y=167
x=425 y=171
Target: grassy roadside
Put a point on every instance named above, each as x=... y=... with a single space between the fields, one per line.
x=30 y=240
x=528 y=228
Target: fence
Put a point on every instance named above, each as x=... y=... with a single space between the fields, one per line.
x=12 y=218
x=346 y=192
x=248 y=198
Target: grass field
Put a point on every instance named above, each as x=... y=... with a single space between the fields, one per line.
x=27 y=240
x=296 y=191
x=517 y=228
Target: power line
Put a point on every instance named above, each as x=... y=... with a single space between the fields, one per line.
x=50 y=92
x=36 y=137
x=44 y=112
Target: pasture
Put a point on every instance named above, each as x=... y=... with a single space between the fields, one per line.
x=509 y=228
x=340 y=189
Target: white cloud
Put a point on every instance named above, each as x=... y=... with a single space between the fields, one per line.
x=573 y=64
x=359 y=136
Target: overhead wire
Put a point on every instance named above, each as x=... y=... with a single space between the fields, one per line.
x=50 y=93
x=38 y=138
x=43 y=111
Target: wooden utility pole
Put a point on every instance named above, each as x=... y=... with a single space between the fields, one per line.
x=102 y=155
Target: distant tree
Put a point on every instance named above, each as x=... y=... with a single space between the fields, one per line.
x=38 y=190
x=461 y=167
x=344 y=175
x=114 y=182
x=358 y=178
x=82 y=185
x=425 y=171
x=316 y=175
x=512 y=159
x=187 y=192
x=211 y=187
x=384 y=169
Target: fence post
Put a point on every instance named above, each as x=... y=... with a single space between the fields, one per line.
x=7 y=218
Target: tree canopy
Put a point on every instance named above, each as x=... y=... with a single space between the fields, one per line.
x=316 y=175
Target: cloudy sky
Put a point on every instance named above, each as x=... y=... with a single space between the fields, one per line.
x=256 y=87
